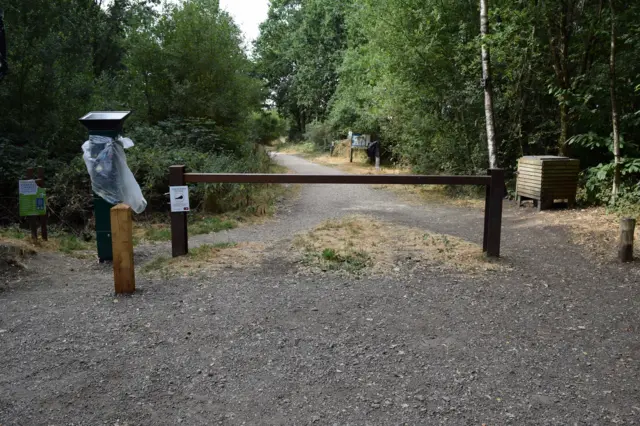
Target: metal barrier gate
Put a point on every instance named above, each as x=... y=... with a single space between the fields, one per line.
x=493 y=181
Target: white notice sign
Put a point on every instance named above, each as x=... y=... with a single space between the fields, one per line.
x=27 y=187
x=179 y=198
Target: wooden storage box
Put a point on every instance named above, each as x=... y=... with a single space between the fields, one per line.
x=545 y=179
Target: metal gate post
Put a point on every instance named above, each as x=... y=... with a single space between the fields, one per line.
x=493 y=227
x=179 y=235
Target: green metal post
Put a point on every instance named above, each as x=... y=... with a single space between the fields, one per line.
x=102 y=124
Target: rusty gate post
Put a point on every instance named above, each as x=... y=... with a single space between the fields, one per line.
x=494 y=228
x=179 y=235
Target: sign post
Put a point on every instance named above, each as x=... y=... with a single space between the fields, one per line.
x=33 y=203
x=179 y=238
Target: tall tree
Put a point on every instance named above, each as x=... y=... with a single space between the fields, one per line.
x=4 y=68
x=486 y=79
x=614 y=107
x=298 y=54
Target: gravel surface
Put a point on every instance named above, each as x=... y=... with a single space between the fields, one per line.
x=552 y=341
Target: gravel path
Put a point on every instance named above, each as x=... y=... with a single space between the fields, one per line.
x=316 y=204
x=553 y=341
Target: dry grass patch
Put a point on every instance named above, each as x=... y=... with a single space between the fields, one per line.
x=360 y=165
x=359 y=243
x=67 y=243
x=13 y=247
x=436 y=194
x=305 y=149
x=207 y=258
x=595 y=229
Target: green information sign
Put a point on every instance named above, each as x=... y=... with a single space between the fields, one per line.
x=33 y=200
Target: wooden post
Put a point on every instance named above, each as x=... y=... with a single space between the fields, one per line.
x=43 y=218
x=33 y=220
x=494 y=228
x=378 y=156
x=122 y=242
x=351 y=154
x=179 y=234
x=625 y=246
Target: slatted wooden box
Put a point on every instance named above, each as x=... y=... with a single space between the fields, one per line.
x=545 y=179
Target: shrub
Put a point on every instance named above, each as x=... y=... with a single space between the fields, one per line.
x=197 y=144
x=266 y=126
x=319 y=133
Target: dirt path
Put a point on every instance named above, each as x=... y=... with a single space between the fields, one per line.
x=552 y=340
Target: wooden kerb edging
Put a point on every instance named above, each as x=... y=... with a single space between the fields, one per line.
x=493 y=181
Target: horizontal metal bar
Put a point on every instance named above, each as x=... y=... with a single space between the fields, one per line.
x=336 y=179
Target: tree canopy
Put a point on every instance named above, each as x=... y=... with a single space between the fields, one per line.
x=410 y=72
x=179 y=66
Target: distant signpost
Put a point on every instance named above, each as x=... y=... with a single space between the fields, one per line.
x=358 y=141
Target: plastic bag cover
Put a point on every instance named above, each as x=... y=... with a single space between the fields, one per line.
x=111 y=178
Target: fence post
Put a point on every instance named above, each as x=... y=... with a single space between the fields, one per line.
x=43 y=218
x=625 y=245
x=124 y=277
x=494 y=228
x=179 y=236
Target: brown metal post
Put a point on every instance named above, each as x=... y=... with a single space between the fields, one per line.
x=487 y=215
x=179 y=235
x=33 y=220
x=496 y=193
x=43 y=218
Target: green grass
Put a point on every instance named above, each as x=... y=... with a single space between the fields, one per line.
x=352 y=261
x=158 y=264
x=198 y=225
x=207 y=225
x=13 y=232
x=71 y=243
x=158 y=234
x=303 y=148
x=329 y=254
x=204 y=251
x=60 y=240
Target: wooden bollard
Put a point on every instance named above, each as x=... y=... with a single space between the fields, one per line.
x=625 y=246
x=122 y=242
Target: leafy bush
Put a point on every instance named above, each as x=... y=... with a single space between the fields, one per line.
x=319 y=133
x=266 y=126
x=598 y=180
x=197 y=145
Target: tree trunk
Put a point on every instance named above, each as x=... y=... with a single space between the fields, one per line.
x=614 y=108
x=147 y=95
x=559 y=31
x=564 y=128
x=488 y=92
